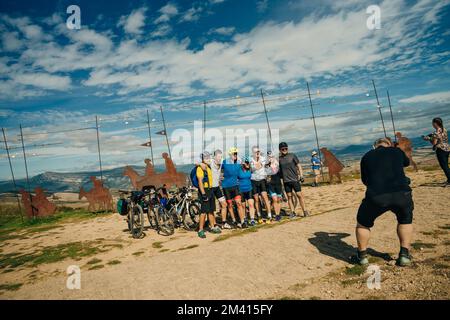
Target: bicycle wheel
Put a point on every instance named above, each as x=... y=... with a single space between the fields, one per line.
x=166 y=226
x=137 y=222
x=151 y=215
x=191 y=219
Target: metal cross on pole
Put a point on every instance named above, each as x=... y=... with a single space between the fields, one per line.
x=98 y=148
x=165 y=131
x=315 y=130
x=379 y=109
x=150 y=136
x=392 y=115
x=12 y=174
x=267 y=119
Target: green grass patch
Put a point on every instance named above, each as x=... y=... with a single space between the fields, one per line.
x=157 y=245
x=114 y=262
x=288 y=298
x=418 y=245
x=440 y=266
x=13 y=224
x=446 y=227
x=164 y=250
x=138 y=253
x=10 y=286
x=349 y=282
x=356 y=270
x=96 y=267
x=51 y=254
x=192 y=246
x=94 y=261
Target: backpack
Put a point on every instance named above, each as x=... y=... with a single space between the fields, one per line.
x=194 y=178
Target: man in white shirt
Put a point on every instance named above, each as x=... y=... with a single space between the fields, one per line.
x=259 y=175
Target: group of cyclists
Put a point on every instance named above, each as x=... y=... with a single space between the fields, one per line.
x=247 y=182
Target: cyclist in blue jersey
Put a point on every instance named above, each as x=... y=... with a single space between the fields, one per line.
x=315 y=166
x=230 y=184
x=246 y=188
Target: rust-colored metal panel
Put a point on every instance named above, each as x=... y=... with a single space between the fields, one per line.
x=37 y=205
x=170 y=177
x=99 y=197
x=406 y=146
x=334 y=165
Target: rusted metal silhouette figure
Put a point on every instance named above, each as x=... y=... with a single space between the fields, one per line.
x=334 y=165
x=37 y=205
x=406 y=146
x=170 y=177
x=99 y=197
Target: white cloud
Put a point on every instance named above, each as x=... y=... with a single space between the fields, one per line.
x=134 y=22
x=10 y=41
x=224 y=31
x=192 y=14
x=44 y=81
x=167 y=12
x=262 y=5
x=434 y=97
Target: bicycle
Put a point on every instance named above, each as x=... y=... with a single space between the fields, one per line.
x=163 y=221
x=184 y=209
x=132 y=208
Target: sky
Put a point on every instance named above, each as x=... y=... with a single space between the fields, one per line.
x=132 y=56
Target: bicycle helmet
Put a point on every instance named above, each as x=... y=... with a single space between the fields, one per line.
x=233 y=150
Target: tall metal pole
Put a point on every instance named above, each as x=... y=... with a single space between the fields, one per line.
x=150 y=136
x=204 y=125
x=98 y=148
x=379 y=109
x=12 y=174
x=315 y=130
x=267 y=119
x=392 y=115
x=26 y=171
x=165 y=131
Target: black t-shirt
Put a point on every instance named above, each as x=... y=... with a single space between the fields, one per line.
x=288 y=167
x=382 y=171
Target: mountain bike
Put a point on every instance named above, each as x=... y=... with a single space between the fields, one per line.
x=134 y=211
x=184 y=209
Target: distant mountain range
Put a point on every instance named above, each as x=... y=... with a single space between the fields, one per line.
x=71 y=182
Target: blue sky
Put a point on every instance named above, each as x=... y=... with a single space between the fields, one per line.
x=130 y=56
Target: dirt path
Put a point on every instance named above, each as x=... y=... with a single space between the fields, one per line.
x=303 y=258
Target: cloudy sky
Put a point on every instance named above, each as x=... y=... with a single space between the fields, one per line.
x=133 y=56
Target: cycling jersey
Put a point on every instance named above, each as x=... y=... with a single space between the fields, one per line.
x=245 y=184
x=315 y=163
x=216 y=171
x=230 y=173
x=260 y=173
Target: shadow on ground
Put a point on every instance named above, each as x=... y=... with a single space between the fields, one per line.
x=331 y=244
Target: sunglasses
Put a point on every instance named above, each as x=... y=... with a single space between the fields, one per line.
x=284 y=149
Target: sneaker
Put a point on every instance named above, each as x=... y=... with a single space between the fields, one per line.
x=362 y=261
x=202 y=234
x=269 y=221
x=239 y=225
x=404 y=260
x=244 y=225
x=306 y=213
x=226 y=226
x=215 y=230
x=293 y=215
x=260 y=221
x=278 y=218
x=252 y=223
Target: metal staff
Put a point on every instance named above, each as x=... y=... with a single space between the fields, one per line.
x=12 y=174
x=150 y=136
x=204 y=125
x=379 y=108
x=392 y=115
x=26 y=170
x=315 y=130
x=98 y=148
x=267 y=119
x=165 y=131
